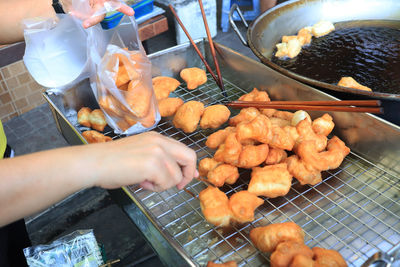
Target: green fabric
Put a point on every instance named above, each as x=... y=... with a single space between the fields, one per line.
x=3 y=141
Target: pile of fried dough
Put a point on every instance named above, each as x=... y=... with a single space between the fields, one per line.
x=93 y=119
x=260 y=140
x=187 y=116
x=135 y=102
x=291 y=44
x=285 y=242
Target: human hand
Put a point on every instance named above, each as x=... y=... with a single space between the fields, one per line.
x=151 y=159
x=95 y=12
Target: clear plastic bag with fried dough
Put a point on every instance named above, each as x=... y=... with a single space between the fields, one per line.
x=123 y=86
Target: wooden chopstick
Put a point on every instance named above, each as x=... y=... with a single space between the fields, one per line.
x=212 y=48
x=195 y=46
x=363 y=103
x=370 y=106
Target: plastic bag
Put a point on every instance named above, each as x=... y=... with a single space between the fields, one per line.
x=76 y=249
x=63 y=55
x=124 y=91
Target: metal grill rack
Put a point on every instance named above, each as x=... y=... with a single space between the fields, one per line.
x=355 y=210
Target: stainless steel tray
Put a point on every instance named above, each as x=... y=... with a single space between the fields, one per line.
x=355 y=210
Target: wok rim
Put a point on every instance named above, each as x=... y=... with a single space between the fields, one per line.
x=301 y=78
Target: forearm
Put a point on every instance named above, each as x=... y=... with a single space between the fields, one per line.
x=31 y=183
x=12 y=14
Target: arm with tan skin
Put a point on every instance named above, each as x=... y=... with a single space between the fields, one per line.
x=12 y=13
x=31 y=183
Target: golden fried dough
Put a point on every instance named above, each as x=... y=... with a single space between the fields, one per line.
x=304 y=174
x=111 y=105
x=125 y=72
x=305 y=131
x=322 y=28
x=97 y=120
x=169 y=106
x=188 y=115
x=290 y=49
x=243 y=204
x=351 y=83
x=275 y=156
x=279 y=122
x=223 y=173
x=95 y=137
x=225 y=264
x=323 y=125
x=255 y=95
x=84 y=116
x=214 y=116
x=217 y=138
x=300 y=260
x=215 y=207
x=193 y=77
x=286 y=251
x=268 y=237
x=270 y=181
x=304 y=35
x=163 y=86
x=280 y=138
x=258 y=129
x=245 y=115
x=328 y=258
x=252 y=156
x=149 y=120
x=206 y=165
x=138 y=98
x=326 y=160
x=229 y=152
x=284 y=115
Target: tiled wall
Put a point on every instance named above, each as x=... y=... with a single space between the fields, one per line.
x=19 y=93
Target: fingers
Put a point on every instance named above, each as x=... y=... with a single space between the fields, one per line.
x=127 y=10
x=185 y=156
x=92 y=21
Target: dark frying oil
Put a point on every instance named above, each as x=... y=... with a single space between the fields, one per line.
x=368 y=51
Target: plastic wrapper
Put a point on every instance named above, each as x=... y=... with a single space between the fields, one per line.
x=60 y=54
x=76 y=249
x=125 y=92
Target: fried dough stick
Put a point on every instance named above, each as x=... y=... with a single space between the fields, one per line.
x=286 y=251
x=243 y=204
x=351 y=83
x=214 y=116
x=327 y=257
x=229 y=152
x=323 y=125
x=270 y=181
x=206 y=165
x=258 y=95
x=194 y=77
x=303 y=173
x=305 y=132
x=223 y=173
x=326 y=160
x=225 y=264
x=217 y=138
x=95 y=137
x=245 y=115
x=275 y=156
x=252 y=156
x=215 y=207
x=258 y=129
x=163 y=86
x=168 y=106
x=268 y=237
x=188 y=115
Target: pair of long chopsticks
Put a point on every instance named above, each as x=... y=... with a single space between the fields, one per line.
x=370 y=106
x=218 y=79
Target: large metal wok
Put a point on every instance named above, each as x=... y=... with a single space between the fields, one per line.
x=287 y=18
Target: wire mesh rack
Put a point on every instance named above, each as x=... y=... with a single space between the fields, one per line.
x=354 y=210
